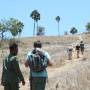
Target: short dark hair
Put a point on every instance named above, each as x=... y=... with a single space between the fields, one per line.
x=12 y=45
x=37 y=44
x=81 y=41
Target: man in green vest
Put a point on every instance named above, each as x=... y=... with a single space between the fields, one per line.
x=11 y=73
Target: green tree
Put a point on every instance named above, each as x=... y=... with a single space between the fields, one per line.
x=3 y=28
x=15 y=26
x=88 y=26
x=73 y=30
x=58 y=20
x=35 y=15
x=41 y=31
x=66 y=33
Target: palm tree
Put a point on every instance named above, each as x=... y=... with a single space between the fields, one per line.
x=58 y=19
x=35 y=15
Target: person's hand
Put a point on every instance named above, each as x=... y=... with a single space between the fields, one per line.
x=26 y=63
x=1 y=82
x=23 y=82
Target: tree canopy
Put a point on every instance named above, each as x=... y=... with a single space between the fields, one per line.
x=73 y=30
x=57 y=18
x=88 y=26
x=15 y=26
x=35 y=15
x=3 y=28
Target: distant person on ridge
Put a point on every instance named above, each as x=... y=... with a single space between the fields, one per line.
x=78 y=50
x=69 y=51
x=82 y=47
x=38 y=60
x=11 y=73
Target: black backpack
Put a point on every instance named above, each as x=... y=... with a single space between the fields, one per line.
x=38 y=62
x=82 y=46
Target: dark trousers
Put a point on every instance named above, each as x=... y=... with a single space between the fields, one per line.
x=82 y=50
x=9 y=86
x=37 y=83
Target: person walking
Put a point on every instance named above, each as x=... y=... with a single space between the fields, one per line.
x=38 y=60
x=82 y=47
x=69 y=51
x=78 y=50
x=11 y=73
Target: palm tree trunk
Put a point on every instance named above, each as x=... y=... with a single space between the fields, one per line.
x=34 y=29
x=37 y=25
x=58 y=30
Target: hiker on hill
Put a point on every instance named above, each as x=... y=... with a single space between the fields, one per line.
x=69 y=51
x=82 y=47
x=38 y=60
x=11 y=73
x=78 y=50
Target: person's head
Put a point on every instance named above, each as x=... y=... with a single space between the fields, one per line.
x=13 y=47
x=81 y=42
x=77 y=45
x=37 y=44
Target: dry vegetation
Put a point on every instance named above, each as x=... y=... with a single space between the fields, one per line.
x=65 y=74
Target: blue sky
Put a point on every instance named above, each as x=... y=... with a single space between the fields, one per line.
x=72 y=12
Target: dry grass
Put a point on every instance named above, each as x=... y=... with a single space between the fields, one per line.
x=73 y=75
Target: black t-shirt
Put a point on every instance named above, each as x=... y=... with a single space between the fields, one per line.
x=77 y=47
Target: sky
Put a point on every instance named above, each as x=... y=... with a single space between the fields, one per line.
x=73 y=13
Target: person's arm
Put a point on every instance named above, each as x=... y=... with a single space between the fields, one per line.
x=18 y=71
x=27 y=60
x=50 y=63
x=26 y=63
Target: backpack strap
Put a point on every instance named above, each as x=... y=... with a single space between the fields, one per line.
x=4 y=64
x=12 y=58
x=7 y=59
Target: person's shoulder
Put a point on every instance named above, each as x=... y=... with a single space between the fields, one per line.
x=29 y=53
x=14 y=59
x=47 y=54
x=45 y=51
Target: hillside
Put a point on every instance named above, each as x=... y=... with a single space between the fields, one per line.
x=65 y=74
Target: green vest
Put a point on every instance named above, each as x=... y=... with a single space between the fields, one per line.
x=11 y=71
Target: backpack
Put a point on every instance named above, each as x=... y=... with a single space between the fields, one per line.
x=38 y=62
x=82 y=46
x=70 y=49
